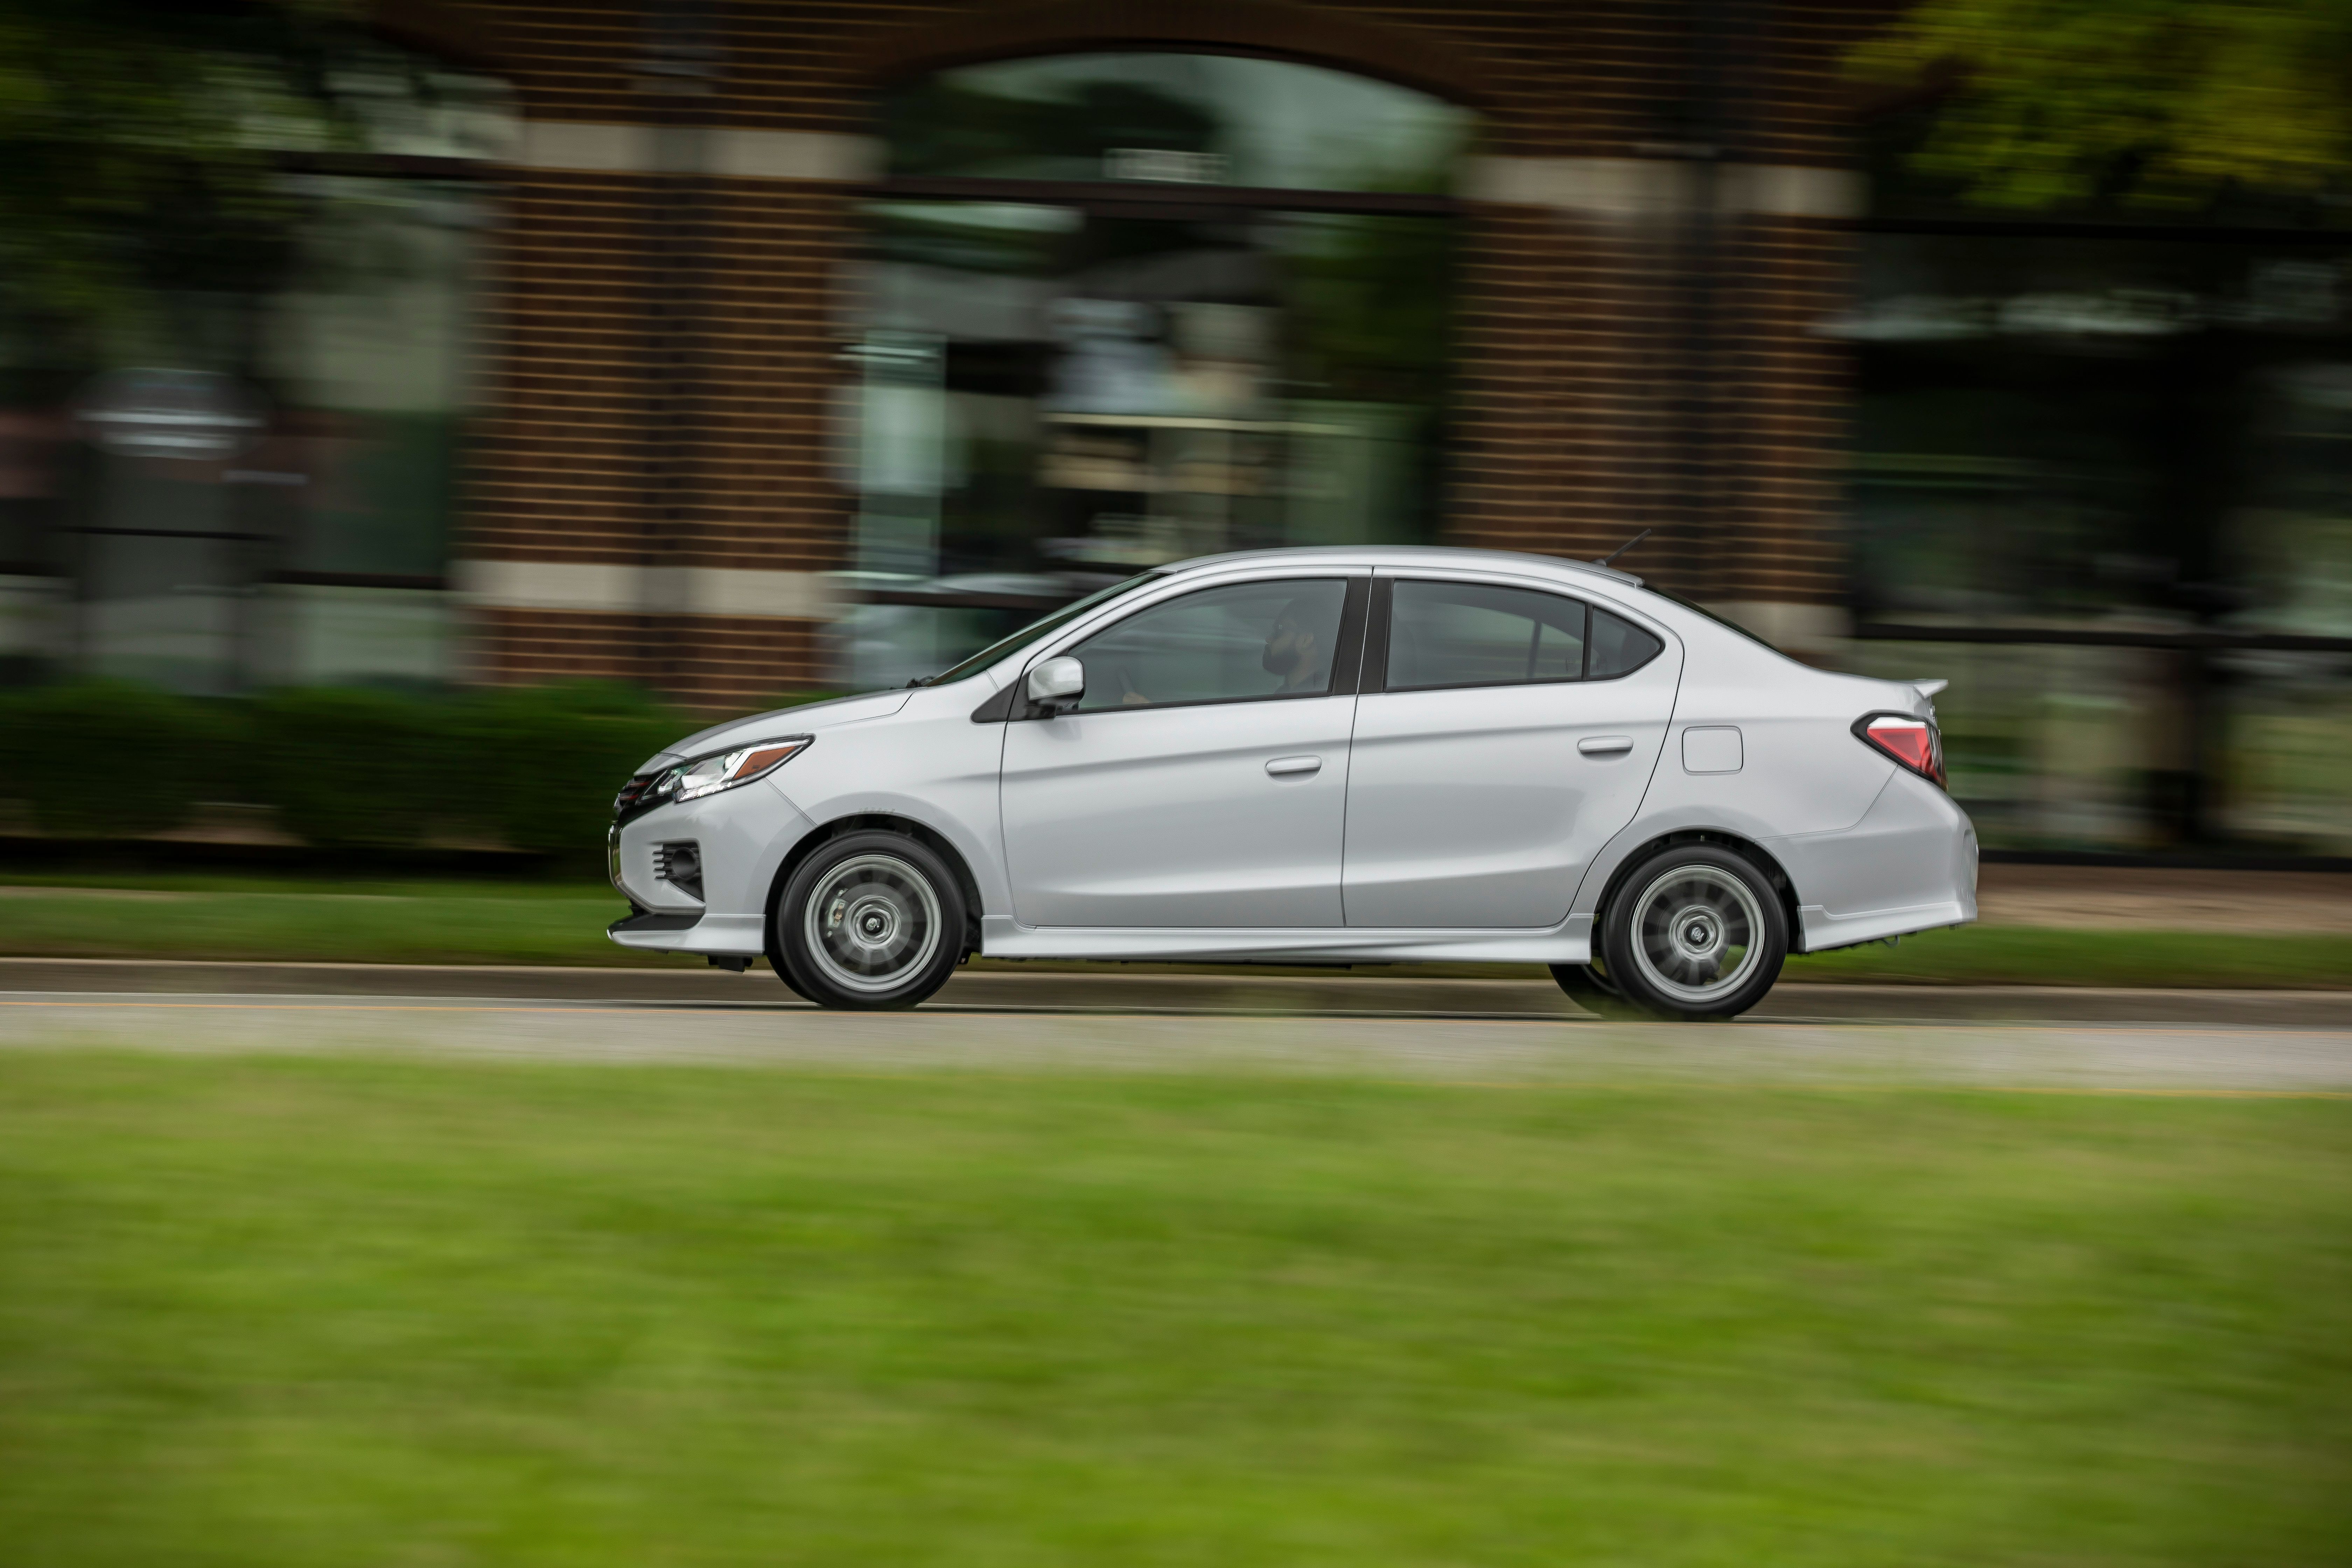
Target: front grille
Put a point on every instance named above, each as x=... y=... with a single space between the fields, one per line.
x=631 y=793
x=680 y=865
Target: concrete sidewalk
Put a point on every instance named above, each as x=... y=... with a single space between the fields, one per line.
x=1338 y=995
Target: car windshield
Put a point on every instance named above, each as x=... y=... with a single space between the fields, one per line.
x=1035 y=630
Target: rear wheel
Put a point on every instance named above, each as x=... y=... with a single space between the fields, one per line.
x=1695 y=933
x=870 y=921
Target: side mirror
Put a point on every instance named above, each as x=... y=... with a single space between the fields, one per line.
x=1058 y=684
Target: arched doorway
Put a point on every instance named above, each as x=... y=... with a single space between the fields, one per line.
x=1121 y=308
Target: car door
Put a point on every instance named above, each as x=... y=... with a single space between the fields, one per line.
x=1505 y=733
x=1202 y=779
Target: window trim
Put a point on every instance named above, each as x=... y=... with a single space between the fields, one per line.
x=1382 y=617
x=1346 y=659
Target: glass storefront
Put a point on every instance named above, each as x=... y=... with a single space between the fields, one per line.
x=1212 y=119
x=1068 y=375
x=2123 y=464
x=246 y=475
x=298 y=532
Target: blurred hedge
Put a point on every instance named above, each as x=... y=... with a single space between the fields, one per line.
x=351 y=769
x=541 y=747
x=532 y=767
x=109 y=760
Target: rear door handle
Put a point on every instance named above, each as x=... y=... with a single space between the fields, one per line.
x=1604 y=745
x=1281 y=765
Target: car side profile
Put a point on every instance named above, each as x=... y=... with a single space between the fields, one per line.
x=1366 y=755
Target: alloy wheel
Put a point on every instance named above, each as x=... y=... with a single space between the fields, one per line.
x=872 y=922
x=1697 y=934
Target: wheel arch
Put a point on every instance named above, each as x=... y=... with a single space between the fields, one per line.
x=930 y=837
x=1766 y=862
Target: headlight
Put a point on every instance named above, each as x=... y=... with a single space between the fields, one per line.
x=723 y=769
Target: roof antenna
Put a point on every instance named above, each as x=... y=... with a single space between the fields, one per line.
x=1624 y=547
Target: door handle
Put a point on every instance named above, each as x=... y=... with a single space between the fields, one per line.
x=1282 y=765
x=1604 y=745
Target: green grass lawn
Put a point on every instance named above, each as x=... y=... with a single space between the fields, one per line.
x=563 y=924
x=2045 y=955
x=300 y=919
x=304 y=1312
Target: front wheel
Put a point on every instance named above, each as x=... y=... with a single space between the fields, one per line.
x=1694 y=934
x=870 y=921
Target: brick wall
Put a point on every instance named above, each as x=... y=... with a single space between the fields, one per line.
x=646 y=414
x=735 y=663
x=559 y=469
x=1778 y=416
x=732 y=663
x=557 y=645
x=1561 y=427
x=568 y=59
x=770 y=499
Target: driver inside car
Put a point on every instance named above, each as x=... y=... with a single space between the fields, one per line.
x=1295 y=652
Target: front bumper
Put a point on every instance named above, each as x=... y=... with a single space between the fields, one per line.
x=644 y=923
x=742 y=836
x=728 y=936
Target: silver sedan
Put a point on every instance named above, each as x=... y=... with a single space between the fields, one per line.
x=1332 y=756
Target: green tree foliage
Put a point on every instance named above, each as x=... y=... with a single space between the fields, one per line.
x=2151 y=102
x=140 y=143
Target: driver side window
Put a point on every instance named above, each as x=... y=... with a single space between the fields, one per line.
x=1234 y=644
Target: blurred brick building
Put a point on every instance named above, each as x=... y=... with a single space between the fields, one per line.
x=735 y=348
x=1638 y=219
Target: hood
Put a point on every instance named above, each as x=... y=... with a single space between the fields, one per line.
x=806 y=719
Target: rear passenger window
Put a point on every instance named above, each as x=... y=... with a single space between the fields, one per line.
x=1473 y=634
x=1618 y=648
x=1470 y=634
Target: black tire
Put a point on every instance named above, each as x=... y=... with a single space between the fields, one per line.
x=887 y=929
x=1695 y=933
x=776 y=962
x=1591 y=990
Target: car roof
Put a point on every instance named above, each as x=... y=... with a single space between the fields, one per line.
x=1404 y=555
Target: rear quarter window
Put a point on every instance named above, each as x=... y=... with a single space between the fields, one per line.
x=1619 y=647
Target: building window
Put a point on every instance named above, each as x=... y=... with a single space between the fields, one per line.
x=248 y=476
x=1118 y=310
x=2103 y=483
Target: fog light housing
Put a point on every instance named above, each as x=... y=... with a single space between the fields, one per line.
x=680 y=865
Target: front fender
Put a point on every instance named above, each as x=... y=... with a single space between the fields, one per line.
x=975 y=842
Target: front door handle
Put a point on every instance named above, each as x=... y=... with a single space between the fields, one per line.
x=1604 y=745
x=1281 y=765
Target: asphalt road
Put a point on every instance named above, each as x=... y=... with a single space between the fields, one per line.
x=2177 y=1042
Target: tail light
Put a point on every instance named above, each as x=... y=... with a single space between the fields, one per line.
x=1913 y=742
